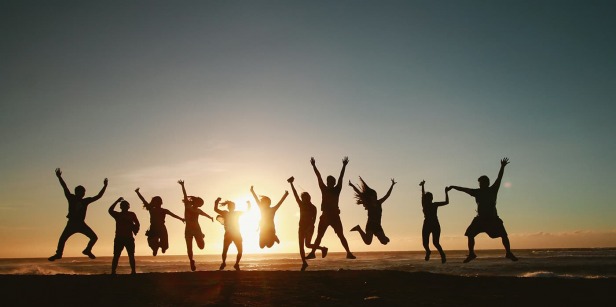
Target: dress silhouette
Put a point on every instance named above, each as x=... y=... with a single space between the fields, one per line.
x=431 y=224
x=307 y=217
x=77 y=208
x=157 y=233
x=267 y=228
x=193 y=230
x=127 y=224
x=487 y=219
x=367 y=197
x=330 y=216
x=231 y=220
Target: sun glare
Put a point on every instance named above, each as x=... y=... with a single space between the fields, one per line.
x=249 y=223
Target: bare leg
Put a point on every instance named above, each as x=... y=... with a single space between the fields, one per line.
x=153 y=243
x=66 y=233
x=93 y=238
x=114 y=263
x=365 y=236
x=131 y=260
x=240 y=249
x=425 y=239
x=471 y=250
x=320 y=233
x=225 y=248
x=189 y=251
x=436 y=235
x=508 y=249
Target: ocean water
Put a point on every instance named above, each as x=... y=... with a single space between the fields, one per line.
x=563 y=263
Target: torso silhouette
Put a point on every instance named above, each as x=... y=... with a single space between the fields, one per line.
x=232 y=221
x=157 y=216
x=191 y=217
x=486 y=201
x=307 y=214
x=77 y=208
x=374 y=213
x=330 y=197
x=429 y=211
x=125 y=222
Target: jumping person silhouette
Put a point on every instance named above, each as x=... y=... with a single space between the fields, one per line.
x=267 y=228
x=307 y=217
x=487 y=219
x=330 y=215
x=127 y=224
x=367 y=197
x=77 y=208
x=157 y=234
x=193 y=230
x=231 y=220
x=431 y=224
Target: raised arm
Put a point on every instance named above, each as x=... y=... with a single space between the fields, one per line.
x=297 y=199
x=146 y=204
x=504 y=163
x=286 y=193
x=446 y=202
x=393 y=182
x=216 y=206
x=316 y=171
x=67 y=192
x=102 y=191
x=357 y=191
x=181 y=182
x=248 y=205
x=112 y=207
x=205 y=214
x=252 y=191
x=345 y=161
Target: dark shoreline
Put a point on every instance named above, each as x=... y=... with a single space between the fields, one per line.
x=292 y=288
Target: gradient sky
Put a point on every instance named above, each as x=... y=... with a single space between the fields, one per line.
x=225 y=94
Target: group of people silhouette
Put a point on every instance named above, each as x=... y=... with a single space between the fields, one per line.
x=127 y=224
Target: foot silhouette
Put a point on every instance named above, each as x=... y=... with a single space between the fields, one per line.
x=443 y=259
x=193 y=267
x=356 y=228
x=311 y=256
x=222 y=266
x=304 y=266
x=511 y=256
x=324 y=252
x=350 y=256
x=89 y=254
x=469 y=258
x=54 y=257
x=237 y=266
x=427 y=255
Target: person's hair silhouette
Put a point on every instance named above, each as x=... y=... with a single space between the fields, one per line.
x=330 y=215
x=267 y=228
x=157 y=233
x=193 y=230
x=77 y=208
x=307 y=217
x=431 y=224
x=487 y=219
x=367 y=197
x=230 y=219
x=127 y=225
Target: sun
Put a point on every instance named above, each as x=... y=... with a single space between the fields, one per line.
x=249 y=223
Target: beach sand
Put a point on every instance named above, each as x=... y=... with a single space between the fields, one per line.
x=293 y=288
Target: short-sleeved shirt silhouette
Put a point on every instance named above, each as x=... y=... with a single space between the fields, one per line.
x=374 y=214
x=307 y=214
x=77 y=208
x=157 y=219
x=232 y=221
x=125 y=223
x=486 y=201
x=330 y=199
x=429 y=211
x=191 y=217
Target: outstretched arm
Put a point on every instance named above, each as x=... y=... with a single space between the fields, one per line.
x=67 y=192
x=345 y=161
x=216 y=206
x=316 y=171
x=465 y=190
x=181 y=182
x=112 y=208
x=504 y=163
x=252 y=190
x=290 y=180
x=146 y=204
x=446 y=202
x=393 y=182
x=100 y=194
x=205 y=214
x=286 y=193
x=174 y=215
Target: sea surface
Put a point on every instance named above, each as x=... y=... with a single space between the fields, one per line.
x=563 y=263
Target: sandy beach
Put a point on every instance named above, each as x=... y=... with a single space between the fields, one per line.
x=292 y=288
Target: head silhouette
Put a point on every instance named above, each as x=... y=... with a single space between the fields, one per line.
x=366 y=195
x=427 y=199
x=484 y=182
x=230 y=205
x=156 y=202
x=80 y=191
x=265 y=201
x=124 y=205
x=305 y=197
x=195 y=201
x=331 y=181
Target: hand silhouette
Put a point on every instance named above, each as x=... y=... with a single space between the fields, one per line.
x=312 y=161
x=218 y=199
x=504 y=161
x=137 y=190
x=345 y=161
x=393 y=181
x=58 y=172
x=120 y=199
x=422 y=183
x=447 y=189
x=291 y=179
x=350 y=183
x=106 y=181
x=181 y=182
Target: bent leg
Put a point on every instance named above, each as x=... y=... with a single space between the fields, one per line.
x=436 y=236
x=66 y=233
